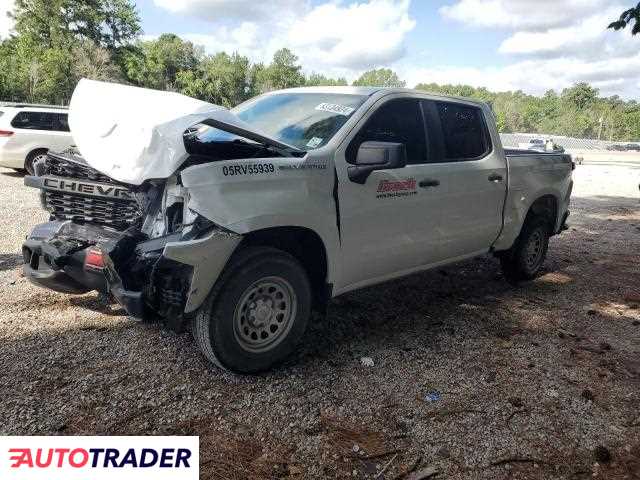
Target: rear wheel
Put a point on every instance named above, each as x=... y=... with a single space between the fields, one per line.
x=32 y=158
x=525 y=259
x=257 y=313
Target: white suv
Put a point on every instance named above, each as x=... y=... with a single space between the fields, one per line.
x=27 y=132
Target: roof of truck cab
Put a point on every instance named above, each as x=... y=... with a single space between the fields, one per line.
x=344 y=90
x=368 y=91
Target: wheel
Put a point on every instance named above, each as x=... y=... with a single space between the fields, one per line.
x=32 y=158
x=525 y=259
x=256 y=313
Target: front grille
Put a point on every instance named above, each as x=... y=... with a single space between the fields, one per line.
x=61 y=167
x=118 y=214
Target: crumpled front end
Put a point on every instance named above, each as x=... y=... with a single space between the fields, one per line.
x=167 y=276
x=141 y=244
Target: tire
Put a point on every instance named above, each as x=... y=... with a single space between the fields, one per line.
x=31 y=158
x=257 y=312
x=525 y=258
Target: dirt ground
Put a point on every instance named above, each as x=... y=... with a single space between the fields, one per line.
x=471 y=376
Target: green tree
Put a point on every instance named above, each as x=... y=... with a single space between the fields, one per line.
x=157 y=63
x=222 y=79
x=628 y=17
x=283 y=72
x=317 y=79
x=53 y=23
x=382 y=77
x=51 y=42
x=10 y=88
x=94 y=62
x=581 y=95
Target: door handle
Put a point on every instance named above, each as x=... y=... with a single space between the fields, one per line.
x=494 y=177
x=429 y=182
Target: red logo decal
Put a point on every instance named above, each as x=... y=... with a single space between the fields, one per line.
x=400 y=186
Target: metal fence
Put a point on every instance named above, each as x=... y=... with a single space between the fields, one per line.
x=511 y=140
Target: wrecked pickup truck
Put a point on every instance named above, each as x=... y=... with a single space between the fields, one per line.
x=243 y=222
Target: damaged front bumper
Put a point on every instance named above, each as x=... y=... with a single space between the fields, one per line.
x=168 y=276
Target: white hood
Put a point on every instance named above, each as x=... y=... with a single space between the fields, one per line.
x=134 y=134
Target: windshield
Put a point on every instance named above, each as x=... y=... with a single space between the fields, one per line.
x=303 y=120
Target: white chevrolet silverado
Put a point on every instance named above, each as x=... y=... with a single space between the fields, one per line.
x=242 y=222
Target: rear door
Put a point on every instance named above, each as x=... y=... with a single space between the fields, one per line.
x=472 y=171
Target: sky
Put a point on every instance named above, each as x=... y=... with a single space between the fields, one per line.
x=529 y=45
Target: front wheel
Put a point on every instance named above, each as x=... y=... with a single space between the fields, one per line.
x=257 y=312
x=525 y=259
x=32 y=158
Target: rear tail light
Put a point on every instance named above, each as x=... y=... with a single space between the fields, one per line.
x=5 y=133
x=94 y=259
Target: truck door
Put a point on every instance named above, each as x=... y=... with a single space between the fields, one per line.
x=473 y=177
x=389 y=224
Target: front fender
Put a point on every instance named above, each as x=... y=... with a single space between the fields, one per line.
x=254 y=194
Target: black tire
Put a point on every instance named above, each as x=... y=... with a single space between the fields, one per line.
x=31 y=158
x=525 y=258
x=242 y=304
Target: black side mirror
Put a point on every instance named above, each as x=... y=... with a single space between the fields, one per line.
x=377 y=156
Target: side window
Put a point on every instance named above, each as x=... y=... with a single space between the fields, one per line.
x=398 y=121
x=464 y=132
x=63 y=122
x=34 y=121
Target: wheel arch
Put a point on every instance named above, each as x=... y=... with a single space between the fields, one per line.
x=547 y=207
x=306 y=246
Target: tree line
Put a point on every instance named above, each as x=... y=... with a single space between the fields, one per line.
x=57 y=42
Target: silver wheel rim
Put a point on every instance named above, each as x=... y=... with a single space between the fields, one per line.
x=35 y=159
x=264 y=315
x=534 y=249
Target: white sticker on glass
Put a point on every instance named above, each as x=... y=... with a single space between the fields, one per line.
x=314 y=142
x=335 y=108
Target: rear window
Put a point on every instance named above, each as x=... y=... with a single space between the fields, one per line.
x=34 y=121
x=464 y=131
x=1 y=113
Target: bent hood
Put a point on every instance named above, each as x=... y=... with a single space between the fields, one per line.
x=135 y=134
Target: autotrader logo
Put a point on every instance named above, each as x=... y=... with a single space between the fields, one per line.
x=70 y=458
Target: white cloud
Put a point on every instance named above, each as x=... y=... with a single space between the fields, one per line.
x=215 y=10
x=618 y=76
x=6 y=24
x=334 y=38
x=586 y=38
x=356 y=36
x=520 y=14
x=556 y=43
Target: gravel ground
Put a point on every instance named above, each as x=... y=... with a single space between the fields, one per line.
x=470 y=375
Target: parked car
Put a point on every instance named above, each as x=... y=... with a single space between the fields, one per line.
x=632 y=147
x=28 y=132
x=536 y=144
x=617 y=147
x=286 y=201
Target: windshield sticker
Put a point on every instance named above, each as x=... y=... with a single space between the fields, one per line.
x=314 y=142
x=335 y=108
x=251 y=169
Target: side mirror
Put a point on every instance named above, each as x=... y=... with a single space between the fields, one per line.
x=377 y=156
